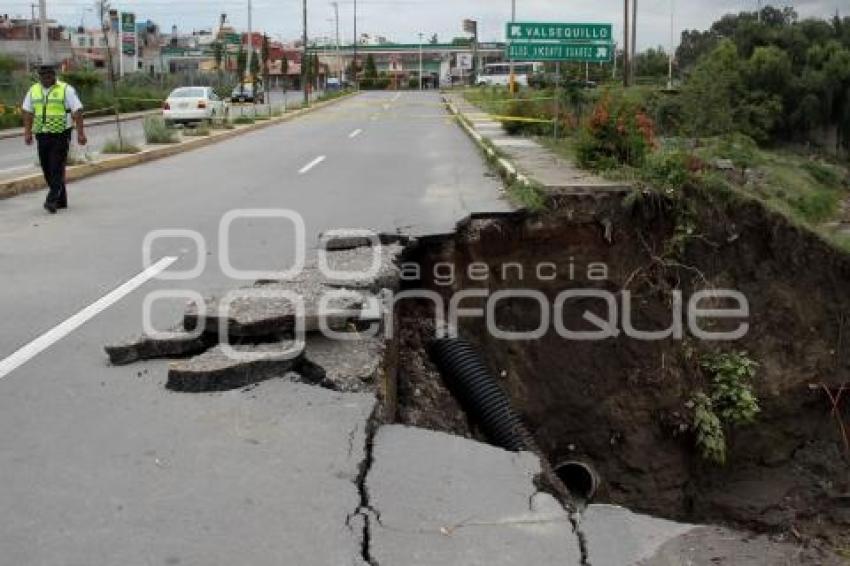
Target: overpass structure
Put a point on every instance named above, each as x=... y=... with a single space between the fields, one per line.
x=442 y=63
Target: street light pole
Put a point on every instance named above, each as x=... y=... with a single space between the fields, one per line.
x=250 y=45
x=633 y=67
x=338 y=56
x=305 y=64
x=354 y=62
x=626 y=45
x=420 y=60
x=512 y=78
x=672 y=41
x=42 y=6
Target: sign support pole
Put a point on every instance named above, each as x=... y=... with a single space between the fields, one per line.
x=557 y=97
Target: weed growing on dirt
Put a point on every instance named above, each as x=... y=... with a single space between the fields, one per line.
x=239 y=120
x=730 y=402
x=197 y=131
x=115 y=146
x=157 y=132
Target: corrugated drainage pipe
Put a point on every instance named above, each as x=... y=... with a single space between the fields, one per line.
x=478 y=392
x=482 y=397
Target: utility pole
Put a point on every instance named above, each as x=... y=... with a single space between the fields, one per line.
x=338 y=56
x=420 y=60
x=672 y=42
x=305 y=63
x=250 y=49
x=626 y=44
x=42 y=5
x=354 y=63
x=31 y=33
x=104 y=28
x=633 y=66
x=759 y=11
x=512 y=78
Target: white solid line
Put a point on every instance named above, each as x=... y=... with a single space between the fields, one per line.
x=311 y=164
x=355 y=133
x=43 y=342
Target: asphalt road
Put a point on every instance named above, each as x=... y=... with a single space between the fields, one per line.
x=102 y=465
x=15 y=156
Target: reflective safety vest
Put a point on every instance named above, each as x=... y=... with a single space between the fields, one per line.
x=49 y=108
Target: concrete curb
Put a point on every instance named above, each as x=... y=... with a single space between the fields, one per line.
x=31 y=183
x=512 y=173
x=505 y=167
x=18 y=132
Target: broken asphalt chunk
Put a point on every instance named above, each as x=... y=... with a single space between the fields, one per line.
x=343 y=365
x=218 y=370
x=174 y=344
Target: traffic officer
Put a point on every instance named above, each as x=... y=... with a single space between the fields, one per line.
x=51 y=109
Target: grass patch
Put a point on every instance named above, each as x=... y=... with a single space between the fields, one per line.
x=221 y=125
x=261 y=117
x=241 y=120
x=527 y=195
x=196 y=131
x=114 y=146
x=157 y=132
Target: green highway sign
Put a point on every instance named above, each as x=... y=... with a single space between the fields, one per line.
x=582 y=52
x=558 y=32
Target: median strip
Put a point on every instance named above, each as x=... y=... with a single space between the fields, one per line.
x=35 y=182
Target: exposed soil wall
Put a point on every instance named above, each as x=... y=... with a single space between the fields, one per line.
x=623 y=404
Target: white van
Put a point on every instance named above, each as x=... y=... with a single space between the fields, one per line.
x=498 y=74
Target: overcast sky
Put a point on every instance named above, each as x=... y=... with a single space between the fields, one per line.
x=402 y=20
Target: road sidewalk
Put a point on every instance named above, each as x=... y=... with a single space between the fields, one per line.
x=525 y=156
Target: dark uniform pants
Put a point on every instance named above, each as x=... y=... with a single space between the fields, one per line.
x=53 y=154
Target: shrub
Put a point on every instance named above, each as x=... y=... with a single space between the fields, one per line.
x=243 y=120
x=818 y=206
x=115 y=146
x=667 y=170
x=731 y=402
x=157 y=132
x=618 y=133
x=197 y=131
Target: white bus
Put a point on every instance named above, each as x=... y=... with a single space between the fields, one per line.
x=499 y=74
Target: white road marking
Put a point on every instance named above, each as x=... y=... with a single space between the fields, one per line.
x=355 y=133
x=311 y=164
x=397 y=96
x=29 y=351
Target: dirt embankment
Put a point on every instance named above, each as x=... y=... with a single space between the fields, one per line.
x=625 y=404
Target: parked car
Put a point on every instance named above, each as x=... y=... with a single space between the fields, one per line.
x=193 y=104
x=245 y=93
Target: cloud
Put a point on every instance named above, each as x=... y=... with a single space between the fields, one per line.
x=402 y=20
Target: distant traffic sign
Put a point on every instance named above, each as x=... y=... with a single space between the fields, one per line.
x=558 y=32
x=591 y=53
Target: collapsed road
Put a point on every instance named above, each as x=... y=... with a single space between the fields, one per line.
x=225 y=441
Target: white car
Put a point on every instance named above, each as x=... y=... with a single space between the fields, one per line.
x=193 y=104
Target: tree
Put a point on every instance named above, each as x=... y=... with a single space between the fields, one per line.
x=371 y=70
x=652 y=63
x=711 y=93
x=7 y=65
x=241 y=63
x=255 y=69
x=265 y=55
x=218 y=54
x=434 y=40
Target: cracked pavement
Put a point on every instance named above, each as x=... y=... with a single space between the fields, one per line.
x=103 y=465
